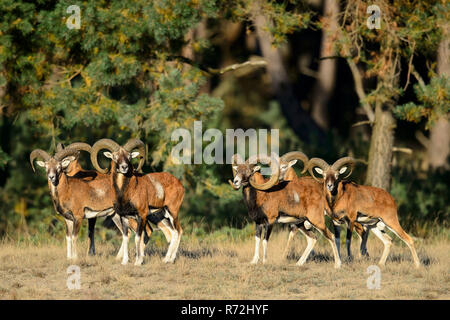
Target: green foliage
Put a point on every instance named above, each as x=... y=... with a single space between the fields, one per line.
x=421 y=199
x=118 y=76
x=434 y=101
x=4 y=158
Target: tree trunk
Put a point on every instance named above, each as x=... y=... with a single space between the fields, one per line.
x=324 y=85
x=439 y=146
x=380 y=153
x=300 y=121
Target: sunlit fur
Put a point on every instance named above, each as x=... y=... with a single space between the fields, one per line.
x=347 y=199
x=264 y=207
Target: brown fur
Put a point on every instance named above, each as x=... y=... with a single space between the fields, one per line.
x=373 y=202
x=291 y=175
x=264 y=207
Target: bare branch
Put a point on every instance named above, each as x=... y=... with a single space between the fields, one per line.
x=424 y=141
x=417 y=76
x=404 y=150
x=360 y=89
x=253 y=63
x=360 y=123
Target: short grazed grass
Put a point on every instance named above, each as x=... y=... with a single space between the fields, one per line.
x=218 y=269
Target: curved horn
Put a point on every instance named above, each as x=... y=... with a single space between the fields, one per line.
x=80 y=146
x=38 y=153
x=274 y=166
x=133 y=144
x=59 y=146
x=236 y=159
x=343 y=161
x=73 y=148
x=317 y=162
x=65 y=153
x=296 y=155
x=108 y=144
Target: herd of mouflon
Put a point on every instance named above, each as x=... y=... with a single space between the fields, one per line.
x=140 y=201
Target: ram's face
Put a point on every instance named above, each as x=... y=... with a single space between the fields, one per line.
x=122 y=159
x=242 y=174
x=54 y=168
x=331 y=177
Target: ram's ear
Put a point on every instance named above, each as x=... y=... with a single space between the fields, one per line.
x=134 y=154
x=256 y=168
x=291 y=163
x=66 y=161
x=318 y=170
x=235 y=168
x=342 y=170
x=41 y=164
x=108 y=154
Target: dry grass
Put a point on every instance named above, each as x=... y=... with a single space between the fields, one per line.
x=221 y=270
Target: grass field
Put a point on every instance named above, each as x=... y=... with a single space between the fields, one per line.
x=213 y=268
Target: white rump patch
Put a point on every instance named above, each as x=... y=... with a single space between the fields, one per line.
x=158 y=186
x=296 y=197
x=88 y=214
x=288 y=219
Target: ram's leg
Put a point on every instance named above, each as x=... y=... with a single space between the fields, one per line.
x=140 y=229
x=337 y=236
x=117 y=221
x=257 y=242
x=318 y=222
x=311 y=241
x=362 y=233
x=69 y=232
x=76 y=229
x=348 y=241
x=124 y=248
x=91 y=232
x=395 y=227
x=267 y=231
x=179 y=231
x=293 y=230
x=386 y=239
x=173 y=238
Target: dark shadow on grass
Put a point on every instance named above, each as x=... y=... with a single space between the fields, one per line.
x=424 y=260
x=190 y=254
x=314 y=256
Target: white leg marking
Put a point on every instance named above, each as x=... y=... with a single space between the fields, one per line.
x=256 y=256
x=139 y=254
x=177 y=244
x=310 y=245
x=264 y=251
x=288 y=245
x=387 y=244
x=69 y=247
x=172 y=240
x=125 y=249
x=74 y=247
